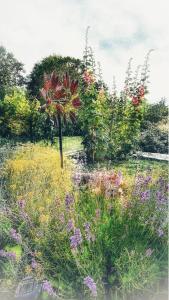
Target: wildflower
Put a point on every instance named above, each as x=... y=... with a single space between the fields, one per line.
x=6 y=254
x=149 y=251
x=69 y=201
x=21 y=203
x=70 y=226
x=135 y=101
x=15 y=236
x=76 y=239
x=147 y=180
x=62 y=218
x=160 y=232
x=88 y=77
x=87 y=231
x=145 y=195
x=118 y=179
x=77 y=178
x=47 y=287
x=141 y=91
x=34 y=264
x=89 y=282
x=160 y=197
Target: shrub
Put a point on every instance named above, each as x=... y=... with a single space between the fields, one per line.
x=154 y=140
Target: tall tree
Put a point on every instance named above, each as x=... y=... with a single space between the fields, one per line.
x=59 y=64
x=11 y=72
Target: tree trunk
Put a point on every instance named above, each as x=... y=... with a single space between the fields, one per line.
x=60 y=140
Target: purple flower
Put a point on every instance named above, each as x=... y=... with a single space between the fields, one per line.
x=47 y=287
x=145 y=195
x=21 y=204
x=160 y=197
x=15 y=236
x=89 y=282
x=70 y=226
x=69 y=201
x=77 y=178
x=76 y=239
x=6 y=254
x=88 y=234
x=160 y=232
x=149 y=251
x=62 y=218
x=34 y=264
x=147 y=179
x=118 y=179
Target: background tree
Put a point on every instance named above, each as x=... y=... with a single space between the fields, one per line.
x=56 y=63
x=11 y=72
x=14 y=114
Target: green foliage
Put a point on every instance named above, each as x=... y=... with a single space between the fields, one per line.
x=11 y=72
x=154 y=140
x=124 y=127
x=155 y=113
x=93 y=116
x=14 y=112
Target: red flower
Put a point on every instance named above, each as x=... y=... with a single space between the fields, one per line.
x=141 y=91
x=135 y=100
x=76 y=102
x=74 y=86
x=59 y=108
x=49 y=101
x=66 y=81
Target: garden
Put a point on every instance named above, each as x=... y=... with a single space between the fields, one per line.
x=82 y=214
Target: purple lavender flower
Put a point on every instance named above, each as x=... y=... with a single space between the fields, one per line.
x=118 y=179
x=62 y=218
x=6 y=254
x=69 y=201
x=89 y=282
x=76 y=239
x=2 y=253
x=70 y=226
x=77 y=178
x=34 y=264
x=147 y=180
x=47 y=287
x=21 y=203
x=87 y=231
x=149 y=251
x=15 y=236
x=160 y=197
x=145 y=195
x=160 y=232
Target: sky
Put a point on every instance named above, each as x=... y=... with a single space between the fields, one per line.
x=119 y=30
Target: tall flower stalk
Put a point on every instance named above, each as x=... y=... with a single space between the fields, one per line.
x=61 y=99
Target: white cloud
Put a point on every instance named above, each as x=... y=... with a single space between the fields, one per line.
x=33 y=29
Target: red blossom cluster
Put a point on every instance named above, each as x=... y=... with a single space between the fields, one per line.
x=88 y=77
x=60 y=92
x=136 y=99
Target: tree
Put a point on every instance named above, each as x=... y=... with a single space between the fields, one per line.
x=61 y=97
x=14 y=114
x=11 y=72
x=56 y=63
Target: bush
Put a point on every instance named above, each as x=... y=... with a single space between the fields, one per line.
x=154 y=140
